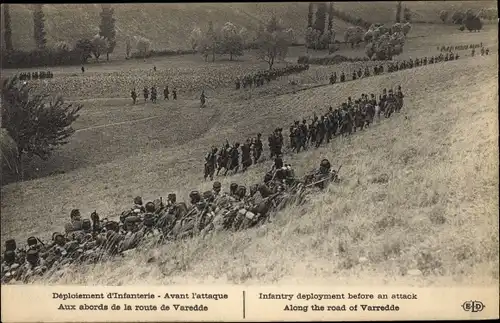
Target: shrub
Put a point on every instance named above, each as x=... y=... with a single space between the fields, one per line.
x=40 y=58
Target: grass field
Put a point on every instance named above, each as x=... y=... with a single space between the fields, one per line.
x=437 y=212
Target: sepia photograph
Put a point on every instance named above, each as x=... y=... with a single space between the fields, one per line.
x=250 y=143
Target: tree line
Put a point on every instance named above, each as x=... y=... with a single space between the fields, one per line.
x=62 y=53
x=468 y=19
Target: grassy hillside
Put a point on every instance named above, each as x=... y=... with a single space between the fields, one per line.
x=423 y=11
x=169 y=25
x=435 y=211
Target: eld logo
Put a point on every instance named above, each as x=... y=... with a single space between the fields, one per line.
x=473 y=306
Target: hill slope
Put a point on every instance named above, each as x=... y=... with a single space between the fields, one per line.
x=437 y=211
x=423 y=11
x=169 y=25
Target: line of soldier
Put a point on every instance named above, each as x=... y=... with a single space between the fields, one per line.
x=450 y=48
x=93 y=240
x=23 y=76
x=484 y=51
x=393 y=67
x=344 y=120
x=259 y=78
x=152 y=94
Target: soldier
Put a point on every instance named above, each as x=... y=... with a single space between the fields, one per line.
x=202 y=98
x=321 y=131
x=165 y=93
x=234 y=155
x=138 y=205
x=75 y=223
x=10 y=266
x=223 y=158
x=35 y=265
x=367 y=71
x=333 y=78
x=246 y=158
x=257 y=148
x=150 y=217
x=153 y=94
x=171 y=199
x=354 y=76
x=133 y=94
x=232 y=190
x=145 y=92
x=342 y=77
x=280 y=140
x=216 y=189
x=96 y=223
x=321 y=177
x=83 y=69
x=133 y=234
x=487 y=52
x=360 y=73
x=210 y=164
x=174 y=93
x=303 y=135
x=482 y=51
x=272 y=144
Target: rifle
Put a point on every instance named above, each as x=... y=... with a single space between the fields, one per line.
x=324 y=179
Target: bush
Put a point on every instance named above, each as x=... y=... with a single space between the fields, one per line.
x=357 y=21
x=36 y=123
x=40 y=58
x=303 y=60
x=165 y=52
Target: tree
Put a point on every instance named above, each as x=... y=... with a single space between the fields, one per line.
x=195 y=38
x=330 y=16
x=443 y=15
x=128 y=47
x=99 y=46
x=273 y=42
x=8 y=28
x=320 y=22
x=36 y=123
x=458 y=17
x=84 y=46
x=312 y=38
x=211 y=39
x=39 y=27
x=310 y=15
x=473 y=22
x=407 y=15
x=398 y=11
x=107 y=28
x=143 y=45
x=62 y=46
x=8 y=150
x=231 y=42
x=245 y=36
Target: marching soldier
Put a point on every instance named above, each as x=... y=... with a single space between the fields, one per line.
x=146 y=94
x=165 y=93
x=133 y=94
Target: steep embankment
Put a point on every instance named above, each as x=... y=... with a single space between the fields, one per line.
x=419 y=195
